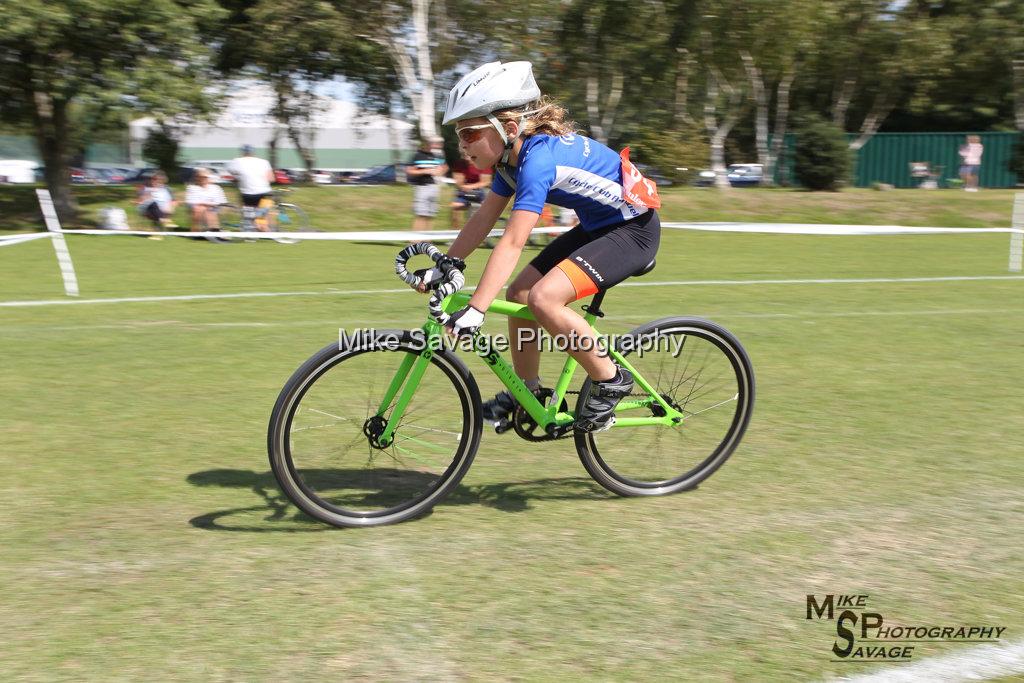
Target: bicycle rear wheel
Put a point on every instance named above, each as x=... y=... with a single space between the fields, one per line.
x=321 y=435
x=701 y=370
x=290 y=218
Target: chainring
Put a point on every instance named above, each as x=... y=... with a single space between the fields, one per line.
x=526 y=427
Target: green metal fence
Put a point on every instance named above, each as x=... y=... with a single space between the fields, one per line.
x=887 y=157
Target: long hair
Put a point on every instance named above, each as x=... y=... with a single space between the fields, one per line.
x=542 y=117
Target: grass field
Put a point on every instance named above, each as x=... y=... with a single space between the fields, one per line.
x=144 y=537
x=340 y=207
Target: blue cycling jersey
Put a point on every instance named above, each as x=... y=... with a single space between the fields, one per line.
x=571 y=171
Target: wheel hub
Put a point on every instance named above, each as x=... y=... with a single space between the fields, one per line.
x=373 y=428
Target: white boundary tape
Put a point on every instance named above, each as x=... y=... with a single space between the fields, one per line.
x=8 y=240
x=1017 y=238
x=980 y=663
x=824 y=229
x=67 y=269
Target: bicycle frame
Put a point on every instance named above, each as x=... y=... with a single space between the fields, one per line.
x=412 y=368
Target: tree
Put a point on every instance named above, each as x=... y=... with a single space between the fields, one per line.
x=822 y=159
x=773 y=39
x=100 y=55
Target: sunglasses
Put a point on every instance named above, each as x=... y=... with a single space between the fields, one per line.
x=470 y=134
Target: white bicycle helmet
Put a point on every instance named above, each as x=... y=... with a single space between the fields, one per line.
x=489 y=88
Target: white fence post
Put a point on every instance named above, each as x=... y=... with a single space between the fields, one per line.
x=1017 y=237
x=67 y=269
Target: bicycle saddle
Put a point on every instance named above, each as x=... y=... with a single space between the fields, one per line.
x=646 y=269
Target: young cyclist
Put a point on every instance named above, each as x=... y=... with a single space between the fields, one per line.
x=503 y=121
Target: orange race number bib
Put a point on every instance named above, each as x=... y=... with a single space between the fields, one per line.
x=636 y=189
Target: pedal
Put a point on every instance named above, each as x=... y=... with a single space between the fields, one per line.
x=502 y=426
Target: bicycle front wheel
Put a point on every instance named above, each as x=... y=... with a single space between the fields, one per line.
x=290 y=218
x=229 y=217
x=701 y=370
x=322 y=444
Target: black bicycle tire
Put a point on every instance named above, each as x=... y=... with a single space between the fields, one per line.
x=604 y=474
x=319 y=364
x=293 y=211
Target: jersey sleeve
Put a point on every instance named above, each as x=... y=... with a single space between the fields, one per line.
x=536 y=176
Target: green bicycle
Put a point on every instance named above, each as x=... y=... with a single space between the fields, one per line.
x=381 y=426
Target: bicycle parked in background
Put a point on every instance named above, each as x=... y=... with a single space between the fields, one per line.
x=272 y=215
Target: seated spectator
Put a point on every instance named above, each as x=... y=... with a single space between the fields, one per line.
x=203 y=199
x=156 y=201
x=470 y=187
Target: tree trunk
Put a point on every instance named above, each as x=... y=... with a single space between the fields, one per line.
x=760 y=95
x=719 y=130
x=51 y=130
x=841 y=101
x=426 y=105
x=873 y=121
x=1018 y=92
x=601 y=123
x=781 y=124
x=683 y=68
x=272 y=147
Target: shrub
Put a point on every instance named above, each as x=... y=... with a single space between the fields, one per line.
x=161 y=149
x=821 y=160
x=670 y=150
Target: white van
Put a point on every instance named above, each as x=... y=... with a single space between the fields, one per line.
x=18 y=171
x=218 y=169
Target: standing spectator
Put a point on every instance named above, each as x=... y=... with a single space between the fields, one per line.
x=425 y=166
x=470 y=187
x=203 y=198
x=156 y=201
x=970 y=162
x=254 y=176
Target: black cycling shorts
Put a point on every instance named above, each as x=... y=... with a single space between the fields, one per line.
x=595 y=261
x=254 y=199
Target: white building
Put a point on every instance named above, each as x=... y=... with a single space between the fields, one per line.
x=340 y=135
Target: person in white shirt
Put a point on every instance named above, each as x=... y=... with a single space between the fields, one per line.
x=254 y=176
x=156 y=202
x=970 y=158
x=203 y=198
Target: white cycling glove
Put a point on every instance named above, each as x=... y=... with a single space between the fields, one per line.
x=465 y=321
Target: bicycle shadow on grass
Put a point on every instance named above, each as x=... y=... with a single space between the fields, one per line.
x=277 y=514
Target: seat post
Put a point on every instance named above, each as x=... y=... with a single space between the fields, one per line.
x=594 y=307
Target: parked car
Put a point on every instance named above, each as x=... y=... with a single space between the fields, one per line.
x=18 y=171
x=377 y=175
x=140 y=176
x=323 y=177
x=745 y=175
x=705 y=178
x=282 y=177
x=651 y=173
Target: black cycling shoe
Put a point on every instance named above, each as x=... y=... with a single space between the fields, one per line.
x=598 y=413
x=499 y=408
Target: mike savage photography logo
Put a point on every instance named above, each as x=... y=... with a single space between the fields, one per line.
x=865 y=635
x=392 y=340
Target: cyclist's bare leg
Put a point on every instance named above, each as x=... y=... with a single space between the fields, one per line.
x=525 y=354
x=548 y=300
x=458 y=210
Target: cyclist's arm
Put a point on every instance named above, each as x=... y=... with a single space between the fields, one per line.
x=478 y=225
x=504 y=258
